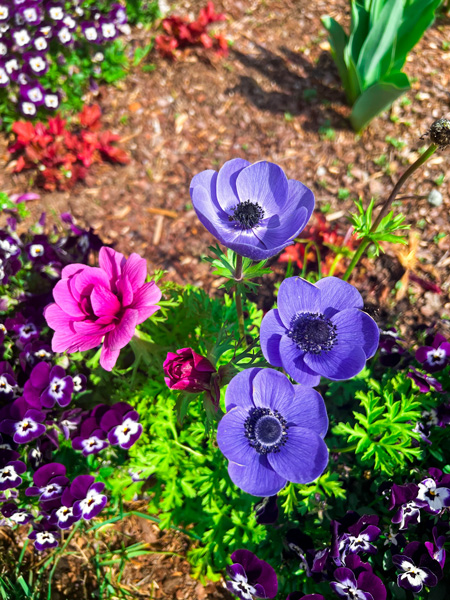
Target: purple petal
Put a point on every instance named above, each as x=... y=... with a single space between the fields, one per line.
x=231 y=437
x=264 y=183
x=240 y=389
x=296 y=294
x=207 y=213
x=227 y=194
x=283 y=228
x=104 y=302
x=303 y=458
x=307 y=410
x=111 y=262
x=336 y=295
x=258 y=478
x=271 y=331
x=136 y=270
x=295 y=365
x=272 y=389
x=343 y=361
x=356 y=328
x=47 y=472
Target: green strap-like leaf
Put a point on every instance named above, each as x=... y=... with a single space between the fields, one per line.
x=417 y=17
x=378 y=98
x=359 y=29
x=338 y=41
x=378 y=50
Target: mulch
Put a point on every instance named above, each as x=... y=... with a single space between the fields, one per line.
x=277 y=96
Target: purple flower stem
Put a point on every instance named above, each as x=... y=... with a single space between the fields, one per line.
x=385 y=207
x=238 y=299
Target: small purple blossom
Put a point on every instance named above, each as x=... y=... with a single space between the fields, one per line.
x=16 y=515
x=435 y=357
x=358 y=582
x=266 y=511
x=251 y=577
x=44 y=536
x=49 y=481
x=89 y=500
x=10 y=470
x=91 y=439
x=48 y=386
x=21 y=421
x=434 y=491
x=318 y=330
x=424 y=382
x=417 y=568
x=121 y=425
x=272 y=432
x=252 y=209
x=436 y=550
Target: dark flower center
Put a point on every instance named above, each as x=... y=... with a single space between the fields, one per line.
x=312 y=332
x=247 y=214
x=266 y=430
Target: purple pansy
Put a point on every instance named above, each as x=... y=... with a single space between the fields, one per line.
x=21 y=421
x=8 y=384
x=251 y=577
x=360 y=536
x=15 y=514
x=88 y=498
x=436 y=549
x=358 y=582
x=273 y=432
x=24 y=327
x=435 y=357
x=48 y=386
x=45 y=536
x=417 y=568
x=49 y=481
x=121 y=425
x=91 y=439
x=434 y=491
x=10 y=470
x=69 y=422
x=318 y=330
x=266 y=511
x=34 y=352
x=252 y=209
x=390 y=347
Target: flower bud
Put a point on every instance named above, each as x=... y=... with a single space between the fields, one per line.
x=188 y=371
x=440 y=133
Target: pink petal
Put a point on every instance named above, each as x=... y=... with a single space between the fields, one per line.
x=111 y=262
x=64 y=298
x=147 y=295
x=56 y=318
x=104 y=302
x=91 y=277
x=71 y=270
x=123 y=332
x=136 y=270
x=125 y=289
x=76 y=343
x=108 y=358
x=90 y=328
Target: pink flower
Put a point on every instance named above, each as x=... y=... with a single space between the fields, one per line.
x=190 y=372
x=95 y=304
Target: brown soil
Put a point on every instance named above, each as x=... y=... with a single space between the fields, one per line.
x=276 y=97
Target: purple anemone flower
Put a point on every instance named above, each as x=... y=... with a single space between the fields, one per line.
x=273 y=432
x=121 y=425
x=49 y=481
x=360 y=585
x=91 y=439
x=435 y=357
x=251 y=577
x=252 y=209
x=318 y=330
x=417 y=568
x=10 y=470
x=89 y=500
x=22 y=422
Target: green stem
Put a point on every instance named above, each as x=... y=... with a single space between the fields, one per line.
x=386 y=206
x=238 y=300
x=335 y=263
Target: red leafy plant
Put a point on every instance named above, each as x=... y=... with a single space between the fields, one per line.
x=62 y=155
x=320 y=239
x=182 y=33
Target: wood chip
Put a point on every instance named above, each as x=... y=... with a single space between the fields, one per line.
x=158 y=230
x=163 y=211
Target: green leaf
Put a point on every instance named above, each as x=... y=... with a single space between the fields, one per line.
x=378 y=98
x=338 y=41
x=378 y=50
x=417 y=17
x=359 y=29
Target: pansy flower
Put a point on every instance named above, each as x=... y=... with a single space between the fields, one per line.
x=16 y=515
x=51 y=100
x=34 y=352
x=318 y=330
x=90 y=31
x=28 y=109
x=89 y=500
x=4 y=12
x=252 y=209
x=358 y=582
x=91 y=439
x=49 y=481
x=434 y=491
x=31 y=14
x=33 y=92
x=21 y=37
x=436 y=550
x=8 y=384
x=63 y=516
x=21 y=421
x=251 y=577
x=56 y=12
x=79 y=383
x=48 y=386
x=40 y=43
x=108 y=29
x=45 y=536
x=361 y=536
x=10 y=470
x=417 y=568
x=424 y=382
x=121 y=425
x=435 y=357
x=64 y=36
x=272 y=432
x=24 y=327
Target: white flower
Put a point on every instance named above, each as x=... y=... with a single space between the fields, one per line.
x=11 y=65
x=56 y=13
x=40 y=43
x=90 y=34
x=108 y=30
x=4 y=79
x=5 y=387
x=435 y=497
x=4 y=12
x=38 y=64
x=8 y=474
x=21 y=37
x=51 y=100
x=30 y=14
x=126 y=430
x=29 y=108
x=64 y=35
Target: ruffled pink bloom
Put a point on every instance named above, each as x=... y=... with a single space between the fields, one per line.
x=105 y=303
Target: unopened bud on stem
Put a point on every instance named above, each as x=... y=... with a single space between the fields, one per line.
x=439 y=133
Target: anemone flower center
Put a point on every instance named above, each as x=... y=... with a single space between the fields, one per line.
x=248 y=214
x=312 y=332
x=266 y=430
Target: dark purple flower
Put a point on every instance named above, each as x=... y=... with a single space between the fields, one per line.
x=273 y=432
x=436 y=550
x=435 y=357
x=360 y=536
x=70 y=421
x=300 y=596
x=45 y=536
x=8 y=384
x=89 y=500
x=22 y=422
x=390 y=347
x=434 y=491
x=62 y=514
x=33 y=92
x=121 y=425
x=394 y=539
x=42 y=451
x=302 y=545
x=190 y=372
x=417 y=568
x=23 y=327
x=48 y=386
x=31 y=14
x=251 y=577
x=10 y=470
x=79 y=383
x=252 y=209
x=18 y=516
x=423 y=381
x=34 y=352
x=266 y=511
x=49 y=481
x=91 y=32
x=91 y=439
x=364 y=586
x=318 y=330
